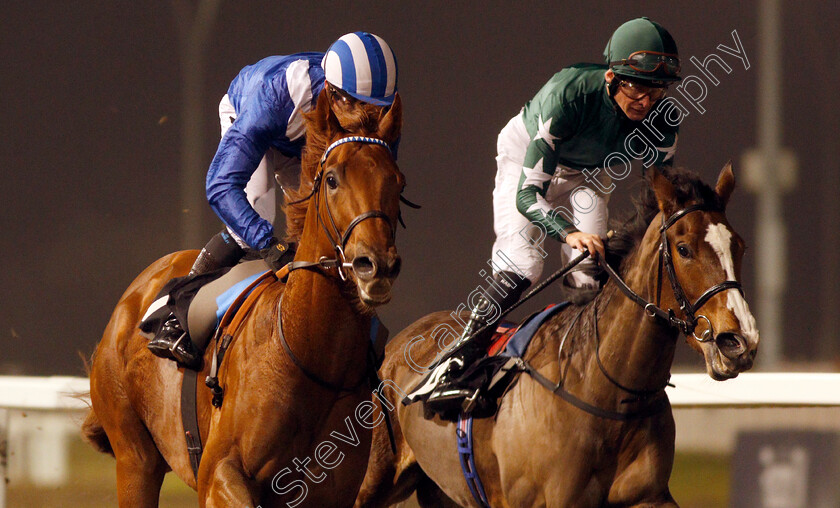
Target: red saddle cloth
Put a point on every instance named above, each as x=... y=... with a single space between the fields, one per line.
x=506 y=330
x=501 y=336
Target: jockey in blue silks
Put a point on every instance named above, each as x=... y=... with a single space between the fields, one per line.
x=263 y=133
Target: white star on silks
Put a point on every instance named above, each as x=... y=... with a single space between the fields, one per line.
x=544 y=131
x=669 y=151
x=535 y=176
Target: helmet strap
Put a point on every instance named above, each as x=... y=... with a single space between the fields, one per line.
x=612 y=86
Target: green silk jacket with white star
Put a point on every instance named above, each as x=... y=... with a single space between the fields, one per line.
x=573 y=123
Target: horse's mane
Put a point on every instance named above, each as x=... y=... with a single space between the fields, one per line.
x=362 y=120
x=628 y=234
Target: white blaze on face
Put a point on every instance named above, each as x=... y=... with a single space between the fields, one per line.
x=720 y=238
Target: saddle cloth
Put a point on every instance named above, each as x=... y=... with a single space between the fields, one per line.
x=509 y=343
x=200 y=302
x=492 y=374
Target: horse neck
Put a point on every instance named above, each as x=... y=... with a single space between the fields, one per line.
x=636 y=350
x=322 y=321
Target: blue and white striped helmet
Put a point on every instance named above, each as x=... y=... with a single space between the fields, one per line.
x=363 y=65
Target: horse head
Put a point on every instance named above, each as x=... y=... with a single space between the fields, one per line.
x=355 y=187
x=701 y=254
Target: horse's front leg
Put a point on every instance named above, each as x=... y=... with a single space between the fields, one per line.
x=223 y=483
x=645 y=466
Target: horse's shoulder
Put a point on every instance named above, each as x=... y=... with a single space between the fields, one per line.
x=421 y=341
x=544 y=346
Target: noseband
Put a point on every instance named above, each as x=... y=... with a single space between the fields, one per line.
x=687 y=325
x=338 y=239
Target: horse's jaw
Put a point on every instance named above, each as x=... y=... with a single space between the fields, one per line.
x=720 y=367
x=375 y=293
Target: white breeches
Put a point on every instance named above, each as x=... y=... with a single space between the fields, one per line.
x=519 y=242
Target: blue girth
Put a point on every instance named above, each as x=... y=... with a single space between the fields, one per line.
x=465 y=453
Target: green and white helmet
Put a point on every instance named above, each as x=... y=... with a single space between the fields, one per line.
x=643 y=50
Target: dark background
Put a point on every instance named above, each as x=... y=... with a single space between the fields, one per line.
x=91 y=141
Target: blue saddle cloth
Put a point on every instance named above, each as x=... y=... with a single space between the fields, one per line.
x=518 y=344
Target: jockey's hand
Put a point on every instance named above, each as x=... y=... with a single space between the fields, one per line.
x=587 y=241
x=277 y=254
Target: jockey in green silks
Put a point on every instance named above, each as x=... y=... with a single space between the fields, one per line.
x=553 y=180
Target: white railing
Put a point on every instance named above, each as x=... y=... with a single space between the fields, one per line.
x=756 y=389
x=690 y=391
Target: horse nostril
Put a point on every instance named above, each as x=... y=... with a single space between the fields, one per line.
x=364 y=267
x=731 y=344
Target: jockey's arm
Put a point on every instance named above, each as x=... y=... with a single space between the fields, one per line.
x=240 y=152
x=552 y=125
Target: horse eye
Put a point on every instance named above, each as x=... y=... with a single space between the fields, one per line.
x=332 y=183
x=683 y=250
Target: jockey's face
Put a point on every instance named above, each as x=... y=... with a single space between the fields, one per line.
x=349 y=111
x=637 y=100
x=339 y=100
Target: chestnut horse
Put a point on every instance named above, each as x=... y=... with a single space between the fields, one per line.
x=608 y=438
x=278 y=410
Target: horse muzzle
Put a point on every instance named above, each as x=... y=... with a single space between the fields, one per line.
x=375 y=274
x=729 y=354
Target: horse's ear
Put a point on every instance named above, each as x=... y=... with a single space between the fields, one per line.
x=390 y=125
x=663 y=189
x=726 y=183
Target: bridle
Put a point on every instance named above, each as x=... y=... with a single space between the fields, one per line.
x=339 y=240
x=687 y=325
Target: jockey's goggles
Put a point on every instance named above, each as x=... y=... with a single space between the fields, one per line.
x=650 y=62
x=637 y=92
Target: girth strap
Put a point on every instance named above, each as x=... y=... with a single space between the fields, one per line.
x=189 y=418
x=463 y=433
x=649 y=410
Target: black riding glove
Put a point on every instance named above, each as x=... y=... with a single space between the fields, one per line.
x=278 y=254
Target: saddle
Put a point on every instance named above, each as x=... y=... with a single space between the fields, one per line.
x=494 y=373
x=200 y=301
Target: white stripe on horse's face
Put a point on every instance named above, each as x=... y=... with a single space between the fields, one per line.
x=720 y=238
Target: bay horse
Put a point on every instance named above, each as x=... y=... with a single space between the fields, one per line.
x=282 y=400
x=608 y=439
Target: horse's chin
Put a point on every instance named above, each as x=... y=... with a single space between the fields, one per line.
x=375 y=293
x=718 y=366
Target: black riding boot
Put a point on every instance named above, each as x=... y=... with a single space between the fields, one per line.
x=449 y=395
x=174 y=343
x=220 y=252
